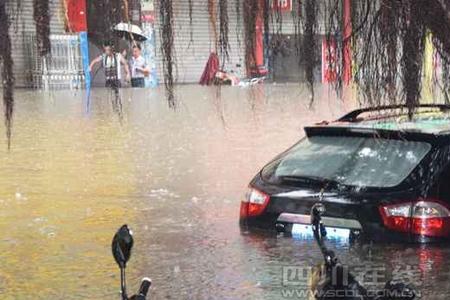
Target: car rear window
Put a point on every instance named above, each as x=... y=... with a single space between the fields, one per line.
x=356 y=161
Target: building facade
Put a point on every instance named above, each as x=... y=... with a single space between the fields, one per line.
x=23 y=32
x=194 y=40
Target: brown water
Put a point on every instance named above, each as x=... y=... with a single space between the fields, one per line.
x=77 y=170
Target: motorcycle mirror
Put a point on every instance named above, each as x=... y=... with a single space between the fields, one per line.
x=121 y=246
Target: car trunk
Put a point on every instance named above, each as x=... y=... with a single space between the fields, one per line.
x=352 y=210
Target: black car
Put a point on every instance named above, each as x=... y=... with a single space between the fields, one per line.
x=381 y=174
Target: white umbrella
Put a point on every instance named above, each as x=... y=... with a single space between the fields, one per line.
x=130 y=31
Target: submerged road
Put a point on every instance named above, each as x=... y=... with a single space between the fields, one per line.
x=77 y=170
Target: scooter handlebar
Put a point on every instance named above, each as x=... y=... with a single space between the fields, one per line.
x=145 y=286
x=143 y=290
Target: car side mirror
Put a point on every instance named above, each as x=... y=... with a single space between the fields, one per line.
x=121 y=246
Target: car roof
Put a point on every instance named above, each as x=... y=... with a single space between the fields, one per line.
x=433 y=119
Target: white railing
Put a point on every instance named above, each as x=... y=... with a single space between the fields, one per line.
x=62 y=69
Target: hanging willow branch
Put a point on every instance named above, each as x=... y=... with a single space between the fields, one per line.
x=390 y=51
x=389 y=25
x=7 y=70
x=101 y=29
x=250 y=13
x=212 y=12
x=439 y=11
x=266 y=23
x=309 y=44
x=167 y=47
x=224 y=44
x=237 y=8
x=41 y=15
x=296 y=19
x=413 y=48
x=14 y=12
x=191 y=24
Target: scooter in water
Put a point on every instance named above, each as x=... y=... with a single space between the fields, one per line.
x=336 y=282
x=122 y=244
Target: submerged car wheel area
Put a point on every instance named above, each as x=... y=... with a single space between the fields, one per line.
x=381 y=176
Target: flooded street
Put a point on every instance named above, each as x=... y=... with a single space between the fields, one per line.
x=79 y=169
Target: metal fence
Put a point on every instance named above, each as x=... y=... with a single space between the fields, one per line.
x=62 y=69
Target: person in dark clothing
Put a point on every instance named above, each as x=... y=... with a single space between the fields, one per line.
x=111 y=62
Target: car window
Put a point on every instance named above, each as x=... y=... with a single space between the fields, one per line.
x=356 y=161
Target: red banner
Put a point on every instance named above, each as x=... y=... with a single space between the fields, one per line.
x=76 y=15
x=148 y=16
x=282 y=5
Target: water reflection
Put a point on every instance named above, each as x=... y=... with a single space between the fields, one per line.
x=175 y=176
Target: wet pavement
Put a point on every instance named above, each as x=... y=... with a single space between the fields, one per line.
x=79 y=169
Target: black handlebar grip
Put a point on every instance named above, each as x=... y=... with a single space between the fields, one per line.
x=145 y=286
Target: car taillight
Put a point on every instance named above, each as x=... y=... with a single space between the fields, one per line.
x=254 y=203
x=424 y=217
x=396 y=217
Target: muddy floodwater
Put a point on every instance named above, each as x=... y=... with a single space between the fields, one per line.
x=79 y=169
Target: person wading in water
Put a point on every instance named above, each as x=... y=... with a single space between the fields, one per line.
x=139 y=69
x=111 y=62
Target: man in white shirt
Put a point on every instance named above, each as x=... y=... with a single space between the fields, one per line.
x=139 y=68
